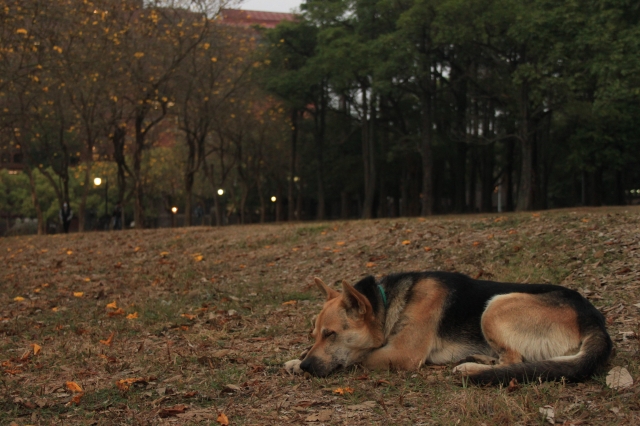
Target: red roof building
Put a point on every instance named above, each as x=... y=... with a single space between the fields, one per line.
x=249 y=18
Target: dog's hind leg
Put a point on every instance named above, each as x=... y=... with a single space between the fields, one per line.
x=525 y=327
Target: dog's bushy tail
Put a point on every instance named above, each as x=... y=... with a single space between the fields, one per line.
x=592 y=355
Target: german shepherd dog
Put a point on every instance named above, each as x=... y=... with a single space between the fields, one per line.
x=501 y=330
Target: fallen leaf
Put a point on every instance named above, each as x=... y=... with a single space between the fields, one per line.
x=36 y=348
x=290 y=302
x=125 y=384
x=548 y=413
x=55 y=309
x=76 y=398
x=18 y=298
x=230 y=389
x=406 y=242
x=117 y=312
x=367 y=405
x=321 y=416
x=69 y=252
x=427 y=249
x=513 y=385
x=74 y=387
x=340 y=243
x=172 y=411
x=342 y=391
x=370 y=264
x=109 y=340
x=78 y=293
x=132 y=316
x=112 y=305
x=198 y=257
x=619 y=378
x=223 y=419
x=189 y=316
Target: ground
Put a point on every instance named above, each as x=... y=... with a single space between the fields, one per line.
x=192 y=325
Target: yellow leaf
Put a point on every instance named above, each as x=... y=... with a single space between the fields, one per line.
x=87 y=279
x=21 y=31
x=340 y=243
x=214 y=59
x=112 y=305
x=36 y=348
x=406 y=242
x=223 y=419
x=37 y=290
x=78 y=293
x=476 y=243
x=137 y=249
x=55 y=309
x=198 y=257
x=69 y=252
x=164 y=254
x=189 y=316
x=290 y=302
x=138 y=55
x=124 y=384
x=427 y=249
x=132 y=316
x=370 y=264
x=18 y=298
x=74 y=387
x=109 y=340
x=57 y=49
x=76 y=398
x=342 y=391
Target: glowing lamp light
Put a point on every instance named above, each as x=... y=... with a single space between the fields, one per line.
x=273 y=199
x=174 y=210
x=97 y=181
x=220 y=191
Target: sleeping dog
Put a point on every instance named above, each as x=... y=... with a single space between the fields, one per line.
x=501 y=330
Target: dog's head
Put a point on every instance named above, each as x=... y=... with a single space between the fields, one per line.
x=344 y=331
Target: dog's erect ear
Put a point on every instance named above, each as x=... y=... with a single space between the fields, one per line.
x=355 y=301
x=328 y=291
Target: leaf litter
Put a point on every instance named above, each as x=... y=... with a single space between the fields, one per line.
x=215 y=315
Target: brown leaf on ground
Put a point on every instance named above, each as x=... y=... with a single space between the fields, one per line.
x=172 y=411
x=109 y=340
x=619 y=378
x=223 y=419
x=73 y=387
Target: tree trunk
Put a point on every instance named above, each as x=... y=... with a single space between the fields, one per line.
x=292 y=166
x=525 y=193
x=138 y=207
x=368 y=155
x=83 y=200
x=426 y=132
x=42 y=226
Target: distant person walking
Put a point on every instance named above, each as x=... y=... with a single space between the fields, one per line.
x=66 y=214
x=117 y=217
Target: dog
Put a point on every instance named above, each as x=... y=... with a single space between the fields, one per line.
x=500 y=330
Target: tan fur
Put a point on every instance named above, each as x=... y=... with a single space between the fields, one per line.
x=526 y=327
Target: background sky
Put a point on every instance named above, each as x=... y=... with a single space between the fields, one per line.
x=270 y=5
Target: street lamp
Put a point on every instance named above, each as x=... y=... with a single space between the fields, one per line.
x=174 y=210
x=220 y=191
x=273 y=199
x=97 y=182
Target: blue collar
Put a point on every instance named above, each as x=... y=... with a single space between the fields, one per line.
x=384 y=296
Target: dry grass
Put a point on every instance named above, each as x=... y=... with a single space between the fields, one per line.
x=220 y=310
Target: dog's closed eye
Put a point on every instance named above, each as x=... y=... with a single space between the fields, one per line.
x=328 y=333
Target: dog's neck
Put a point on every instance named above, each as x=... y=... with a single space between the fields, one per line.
x=377 y=296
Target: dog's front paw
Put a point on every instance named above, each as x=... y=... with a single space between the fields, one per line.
x=293 y=366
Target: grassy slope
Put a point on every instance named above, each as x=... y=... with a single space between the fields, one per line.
x=211 y=312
